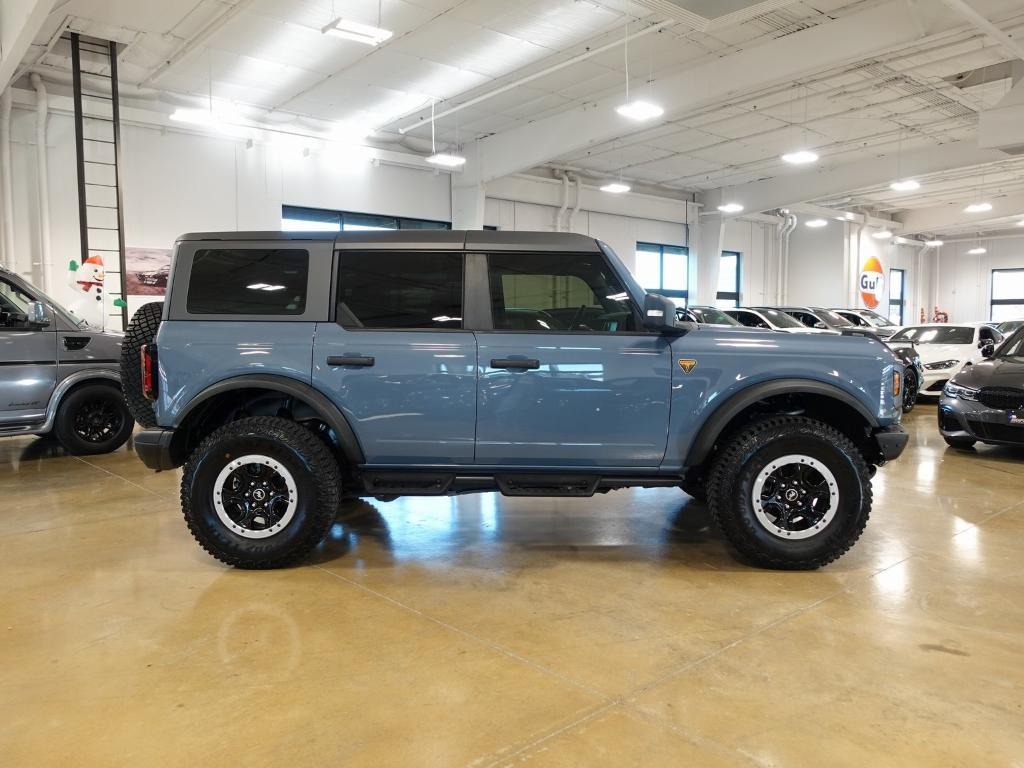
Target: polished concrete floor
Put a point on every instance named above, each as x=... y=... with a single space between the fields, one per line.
x=481 y=631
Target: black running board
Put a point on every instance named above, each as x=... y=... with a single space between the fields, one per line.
x=432 y=483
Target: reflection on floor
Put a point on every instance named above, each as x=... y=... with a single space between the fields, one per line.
x=487 y=631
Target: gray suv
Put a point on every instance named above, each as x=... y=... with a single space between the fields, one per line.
x=58 y=374
x=290 y=371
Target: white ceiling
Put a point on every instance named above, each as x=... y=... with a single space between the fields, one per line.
x=271 y=55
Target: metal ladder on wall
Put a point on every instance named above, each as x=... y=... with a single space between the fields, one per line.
x=98 y=150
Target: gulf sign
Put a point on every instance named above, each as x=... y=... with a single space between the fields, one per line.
x=872 y=283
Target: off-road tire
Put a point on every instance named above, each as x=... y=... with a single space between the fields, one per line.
x=960 y=443
x=746 y=452
x=302 y=453
x=141 y=331
x=88 y=396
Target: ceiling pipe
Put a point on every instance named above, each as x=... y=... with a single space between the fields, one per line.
x=576 y=205
x=6 y=181
x=537 y=75
x=42 y=181
x=1012 y=47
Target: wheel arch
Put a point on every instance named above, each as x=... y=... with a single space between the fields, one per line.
x=849 y=413
x=190 y=427
x=70 y=383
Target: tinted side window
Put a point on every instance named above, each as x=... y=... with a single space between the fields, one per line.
x=748 y=319
x=558 y=292
x=400 y=290
x=248 y=281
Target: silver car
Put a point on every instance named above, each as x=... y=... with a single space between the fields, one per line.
x=58 y=374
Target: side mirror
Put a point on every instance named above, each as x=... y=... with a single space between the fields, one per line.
x=988 y=349
x=660 y=314
x=38 y=315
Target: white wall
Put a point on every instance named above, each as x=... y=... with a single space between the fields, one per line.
x=964 y=281
x=817 y=268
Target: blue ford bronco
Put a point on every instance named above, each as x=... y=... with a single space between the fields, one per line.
x=289 y=371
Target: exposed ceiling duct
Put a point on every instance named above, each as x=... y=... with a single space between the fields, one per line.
x=704 y=15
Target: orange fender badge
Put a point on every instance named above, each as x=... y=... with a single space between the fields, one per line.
x=687 y=365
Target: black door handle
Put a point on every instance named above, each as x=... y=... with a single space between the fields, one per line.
x=503 y=362
x=350 y=360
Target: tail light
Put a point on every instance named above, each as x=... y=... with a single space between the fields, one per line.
x=148 y=361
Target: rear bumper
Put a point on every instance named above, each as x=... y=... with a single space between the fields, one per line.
x=890 y=442
x=153 y=446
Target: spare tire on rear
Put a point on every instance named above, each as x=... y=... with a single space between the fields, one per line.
x=141 y=331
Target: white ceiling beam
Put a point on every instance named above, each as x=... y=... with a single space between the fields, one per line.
x=20 y=22
x=951 y=217
x=1011 y=47
x=887 y=26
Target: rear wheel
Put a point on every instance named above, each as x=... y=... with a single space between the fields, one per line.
x=260 y=492
x=141 y=331
x=790 y=492
x=93 y=419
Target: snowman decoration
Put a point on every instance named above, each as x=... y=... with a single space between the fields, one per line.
x=86 y=280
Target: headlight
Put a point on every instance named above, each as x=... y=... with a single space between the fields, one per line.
x=941 y=365
x=955 y=390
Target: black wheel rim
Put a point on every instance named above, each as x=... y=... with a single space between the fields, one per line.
x=98 y=420
x=910 y=388
x=255 y=496
x=795 y=496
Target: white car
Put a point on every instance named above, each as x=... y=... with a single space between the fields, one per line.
x=883 y=327
x=774 y=319
x=946 y=348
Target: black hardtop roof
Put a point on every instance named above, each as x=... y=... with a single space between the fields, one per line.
x=414 y=239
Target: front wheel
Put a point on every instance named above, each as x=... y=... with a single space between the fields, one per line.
x=93 y=419
x=911 y=388
x=790 y=492
x=260 y=492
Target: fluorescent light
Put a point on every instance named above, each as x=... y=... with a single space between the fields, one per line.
x=933 y=243
x=447 y=160
x=264 y=287
x=800 y=157
x=615 y=187
x=1020 y=223
x=978 y=208
x=730 y=208
x=882 y=234
x=193 y=116
x=640 y=110
x=905 y=185
x=816 y=223
x=977 y=251
x=360 y=33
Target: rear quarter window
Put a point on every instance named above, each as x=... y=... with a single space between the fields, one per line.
x=248 y=281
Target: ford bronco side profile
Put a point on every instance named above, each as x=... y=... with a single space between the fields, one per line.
x=289 y=371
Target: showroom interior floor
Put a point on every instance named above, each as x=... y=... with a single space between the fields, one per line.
x=487 y=631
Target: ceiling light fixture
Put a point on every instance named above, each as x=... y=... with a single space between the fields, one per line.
x=977 y=251
x=638 y=110
x=615 y=187
x=1020 y=223
x=978 y=207
x=446 y=160
x=882 y=234
x=800 y=157
x=905 y=185
x=933 y=243
x=730 y=208
x=816 y=223
x=360 y=33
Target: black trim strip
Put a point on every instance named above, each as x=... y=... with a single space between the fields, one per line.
x=103 y=360
x=28 y=362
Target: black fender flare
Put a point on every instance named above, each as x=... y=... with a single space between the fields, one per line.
x=738 y=401
x=328 y=412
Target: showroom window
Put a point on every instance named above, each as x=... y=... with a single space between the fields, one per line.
x=664 y=269
x=897 y=297
x=400 y=290
x=297 y=219
x=558 y=292
x=728 y=281
x=1007 y=295
x=253 y=281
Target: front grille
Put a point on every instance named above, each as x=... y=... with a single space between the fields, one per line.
x=937 y=386
x=1005 y=433
x=1003 y=398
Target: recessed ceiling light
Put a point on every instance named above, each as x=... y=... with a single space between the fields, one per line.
x=360 y=33
x=977 y=251
x=640 y=110
x=978 y=208
x=816 y=223
x=800 y=157
x=615 y=187
x=730 y=208
x=882 y=234
x=446 y=160
x=933 y=243
x=905 y=185
x=1020 y=223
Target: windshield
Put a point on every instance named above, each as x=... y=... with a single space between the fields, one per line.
x=831 y=318
x=930 y=334
x=1014 y=348
x=781 y=319
x=1009 y=326
x=876 y=319
x=712 y=316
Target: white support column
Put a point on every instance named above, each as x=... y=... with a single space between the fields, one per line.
x=709 y=235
